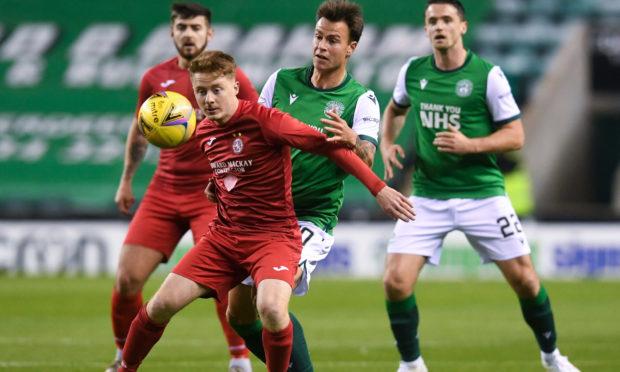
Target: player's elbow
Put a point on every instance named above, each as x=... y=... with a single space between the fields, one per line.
x=514 y=135
x=518 y=140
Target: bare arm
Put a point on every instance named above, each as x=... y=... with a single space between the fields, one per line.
x=342 y=133
x=508 y=137
x=365 y=150
x=393 y=123
x=135 y=149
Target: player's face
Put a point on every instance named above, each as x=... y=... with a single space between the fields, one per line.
x=330 y=45
x=216 y=95
x=444 y=26
x=191 y=36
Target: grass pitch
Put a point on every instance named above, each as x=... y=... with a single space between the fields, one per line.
x=63 y=324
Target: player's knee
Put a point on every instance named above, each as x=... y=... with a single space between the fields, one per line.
x=160 y=308
x=273 y=315
x=396 y=286
x=127 y=283
x=526 y=285
x=231 y=316
x=531 y=285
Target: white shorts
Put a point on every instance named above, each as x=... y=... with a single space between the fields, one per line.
x=490 y=225
x=316 y=246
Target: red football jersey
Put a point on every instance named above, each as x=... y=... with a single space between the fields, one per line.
x=183 y=168
x=251 y=161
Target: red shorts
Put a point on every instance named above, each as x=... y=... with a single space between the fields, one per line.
x=164 y=216
x=225 y=256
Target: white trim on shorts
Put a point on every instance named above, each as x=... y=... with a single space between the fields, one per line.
x=491 y=226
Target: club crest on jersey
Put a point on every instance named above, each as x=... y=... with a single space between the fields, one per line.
x=331 y=105
x=237 y=145
x=464 y=88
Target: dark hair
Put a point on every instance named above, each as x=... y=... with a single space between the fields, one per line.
x=455 y=3
x=343 y=10
x=213 y=62
x=189 y=10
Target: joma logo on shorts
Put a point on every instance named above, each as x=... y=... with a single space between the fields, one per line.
x=281 y=268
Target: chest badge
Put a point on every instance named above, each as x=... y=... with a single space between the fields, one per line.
x=237 y=145
x=464 y=88
x=331 y=105
x=423 y=83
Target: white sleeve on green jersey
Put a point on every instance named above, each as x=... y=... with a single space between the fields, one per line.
x=400 y=95
x=500 y=101
x=367 y=117
x=266 y=95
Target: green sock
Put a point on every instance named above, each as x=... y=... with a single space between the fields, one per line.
x=538 y=315
x=252 y=334
x=404 y=320
x=300 y=356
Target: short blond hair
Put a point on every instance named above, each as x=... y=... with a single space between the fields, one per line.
x=214 y=62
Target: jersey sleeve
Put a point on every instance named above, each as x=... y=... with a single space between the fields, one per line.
x=144 y=91
x=281 y=128
x=500 y=102
x=400 y=95
x=367 y=117
x=266 y=95
x=246 y=89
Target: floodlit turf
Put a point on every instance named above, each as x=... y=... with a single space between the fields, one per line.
x=62 y=324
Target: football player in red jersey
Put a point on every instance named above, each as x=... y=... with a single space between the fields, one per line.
x=255 y=232
x=174 y=201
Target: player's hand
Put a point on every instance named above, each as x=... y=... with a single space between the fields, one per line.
x=124 y=197
x=395 y=204
x=341 y=131
x=210 y=191
x=388 y=154
x=453 y=142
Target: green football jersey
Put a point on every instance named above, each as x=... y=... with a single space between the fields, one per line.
x=476 y=99
x=317 y=184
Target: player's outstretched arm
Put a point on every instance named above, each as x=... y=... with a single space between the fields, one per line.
x=395 y=204
x=279 y=127
x=393 y=122
x=135 y=148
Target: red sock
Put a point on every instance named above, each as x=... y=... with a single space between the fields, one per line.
x=143 y=334
x=236 y=345
x=278 y=346
x=124 y=309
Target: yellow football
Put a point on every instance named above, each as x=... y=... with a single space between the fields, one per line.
x=167 y=119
